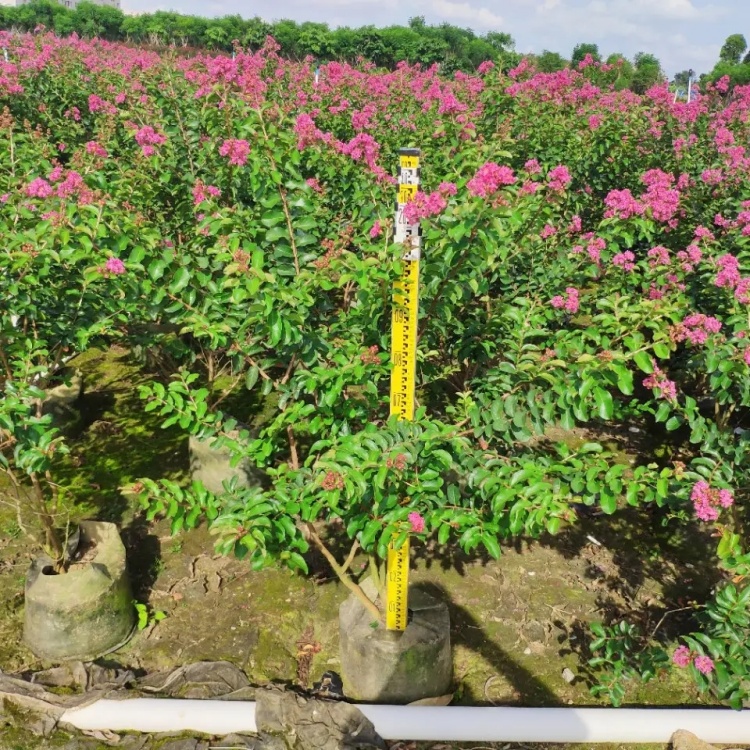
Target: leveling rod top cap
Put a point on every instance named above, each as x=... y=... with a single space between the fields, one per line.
x=409 y=151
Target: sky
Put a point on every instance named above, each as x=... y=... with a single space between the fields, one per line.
x=681 y=33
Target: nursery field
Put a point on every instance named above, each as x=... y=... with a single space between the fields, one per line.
x=198 y=251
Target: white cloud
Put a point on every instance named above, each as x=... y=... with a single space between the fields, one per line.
x=681 y=33
x=363 y=6
x=675 y=10
x=466 y=15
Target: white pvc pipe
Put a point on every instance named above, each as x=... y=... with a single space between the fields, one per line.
x=433 y=723
x=164 y=715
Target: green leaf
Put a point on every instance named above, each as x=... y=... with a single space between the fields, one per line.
x=251 y=378
x=662 y=351
x=590 y=448
x=296 y=561
x=444 y=533
x=277 y=327
x=180 y=281
x=673 y=423
x=663 y=411
x=607 y=502
x=625 y=381
x=137 y=255
x=491 y=544
x=156 y=269
x=368 y=535
x=553 y=524
x=275 y=234
x=604 y=403
x=643 y=360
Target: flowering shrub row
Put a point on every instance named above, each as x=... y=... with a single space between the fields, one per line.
x=586 y=262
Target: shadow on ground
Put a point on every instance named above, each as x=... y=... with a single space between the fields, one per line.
x=468 y=631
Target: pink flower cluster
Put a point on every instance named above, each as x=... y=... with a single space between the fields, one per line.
x=712 y=176
x=720 y=221
x=696 y=328
x=594 y=248
x=72 y=184
x=660 y=195
x=202 y=192
x=236 y=150
x=682 y=657
x=307 y=132
x=362 y=119
x=703 y=233
x=707 y=500
x=376 y=230
x=729 y=271
x=529 y=187
x=417 y=522
x=424 y=205
x=559 y=178
x=97 y=104
x=313 y=183
x=660 y=381
x=690 y=257
x=729 y=277
x=39 y=188
x=147 y=138
x=658 y=256
x=622 y=205
x=548 y=231
x=489 y=178
x=570 y=302
x=625 y=260
x=114 y=266
x=532 y=166
x=96 y=149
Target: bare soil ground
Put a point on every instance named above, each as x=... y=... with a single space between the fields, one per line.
x=517 y=623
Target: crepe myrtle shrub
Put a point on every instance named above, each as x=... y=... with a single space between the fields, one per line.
x=715 y=654
x=266 y=281
x=710 y=406
x=66 y=289
x=472 y=470
x=382 y=484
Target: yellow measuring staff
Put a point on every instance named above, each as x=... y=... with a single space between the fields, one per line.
x=404 y=363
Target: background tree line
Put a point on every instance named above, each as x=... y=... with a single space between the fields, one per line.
x=734 y=61
x=639 y=75
x=452 y=47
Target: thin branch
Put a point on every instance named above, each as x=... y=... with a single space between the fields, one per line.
x=53 y=539
x=261 y=371
x=227 y=390
x=377 y=578
x=664 y=617
x=282 y=195
x=350 y=558
x=289 y=370
x=365 y=600
x=294 y=456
